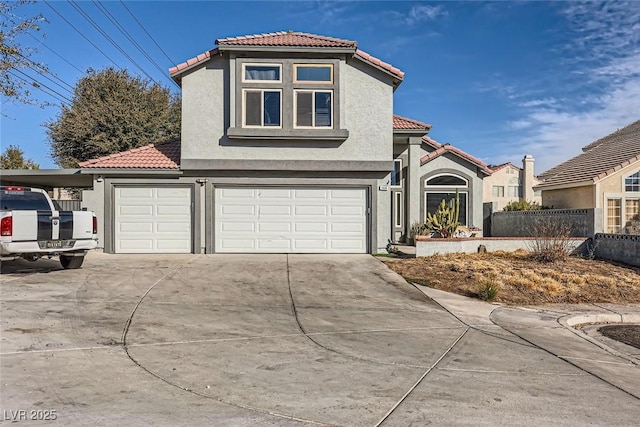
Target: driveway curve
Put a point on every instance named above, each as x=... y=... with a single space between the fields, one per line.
x=243 y=340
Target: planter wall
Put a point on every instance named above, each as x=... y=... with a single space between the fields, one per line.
x=433 y=246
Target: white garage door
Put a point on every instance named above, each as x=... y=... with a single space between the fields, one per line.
x=152 y=220
x=291 y=220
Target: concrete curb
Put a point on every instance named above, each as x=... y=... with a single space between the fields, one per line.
x=571 y=322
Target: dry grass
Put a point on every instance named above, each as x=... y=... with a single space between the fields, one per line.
x=523 y=280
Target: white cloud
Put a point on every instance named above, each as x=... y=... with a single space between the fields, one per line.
x=606 y=54
x=423 y=13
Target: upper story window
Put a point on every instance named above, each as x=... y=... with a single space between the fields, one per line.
x=259 y=73
x=313 y=108
x=515 y=190
x=262 y=108
x=632 y=182
x=286 y=99
x=313 y=73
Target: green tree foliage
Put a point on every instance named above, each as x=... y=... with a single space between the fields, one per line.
x=522 y=205
x=13 y=55
x=13 y=158
x=112 y=111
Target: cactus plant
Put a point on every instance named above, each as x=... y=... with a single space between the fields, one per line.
x=444 y=221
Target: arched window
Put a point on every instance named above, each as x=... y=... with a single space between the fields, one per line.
x=632 y=182
x=446 y=181
x=446 y=187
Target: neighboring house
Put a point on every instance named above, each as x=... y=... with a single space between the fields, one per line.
x=509 y=183
x=606 y=176
x=289 y=144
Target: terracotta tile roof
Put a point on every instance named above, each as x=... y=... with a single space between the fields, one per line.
x=154 y=156
x=403 y=123
x=496 y=168
x=448 y=148
x=288 y=39
x=432 y=142
x=193 y=61
x=600 y=159
x=375 y=61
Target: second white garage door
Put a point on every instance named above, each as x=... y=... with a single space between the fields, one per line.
x=291 y=220
x=152 y=220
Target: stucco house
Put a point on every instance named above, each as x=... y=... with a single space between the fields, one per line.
x=606 y=176
x=509 y=183
x=289 y=144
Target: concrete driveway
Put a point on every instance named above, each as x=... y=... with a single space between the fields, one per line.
x=276 y=340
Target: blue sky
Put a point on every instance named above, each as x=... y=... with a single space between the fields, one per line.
x=496 y=79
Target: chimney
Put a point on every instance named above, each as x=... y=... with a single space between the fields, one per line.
x=527 y=177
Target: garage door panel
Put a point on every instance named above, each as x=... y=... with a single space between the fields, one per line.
x=311 y=210
x=347 y=245
x=238 y=226
x=135 y=210
x=311 y=194
x=352 y=210
x=311 y=227
x=137 y=193
x=282 y=245
x=270 y=227
x=302 y=220
x=233 y=210
x=183 y=211
x=274 y=193
x=274 y=210
x=153 y=219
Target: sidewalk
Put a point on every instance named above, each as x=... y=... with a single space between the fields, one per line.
x=568 y=332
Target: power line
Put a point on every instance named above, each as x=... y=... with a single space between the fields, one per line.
x=80 y=32
x=44 y=72
x=55 y=53
x=123 y=30
x=109 y=39
x=147 y=33
x=40 y=86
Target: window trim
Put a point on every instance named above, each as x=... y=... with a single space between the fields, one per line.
x=260 y=64
x=314 y=82
x=400 y=174
x=398 y=208
x=313 y=108
x=244 y=109
x=426 y=181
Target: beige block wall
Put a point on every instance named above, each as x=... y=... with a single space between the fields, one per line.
x=570 y=198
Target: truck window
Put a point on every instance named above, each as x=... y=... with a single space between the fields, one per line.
x=24 y=201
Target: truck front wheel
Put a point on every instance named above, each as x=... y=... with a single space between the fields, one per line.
x=71 y=262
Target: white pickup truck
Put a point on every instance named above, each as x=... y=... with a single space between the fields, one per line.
x=31 y=228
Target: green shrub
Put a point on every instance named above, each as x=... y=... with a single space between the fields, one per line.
x=488 y=290
x=522 y=205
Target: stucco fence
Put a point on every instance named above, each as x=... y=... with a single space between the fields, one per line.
x=581 y=222
x=436 y=246
x=618 y=247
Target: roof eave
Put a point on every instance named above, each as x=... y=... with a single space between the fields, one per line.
x=284 y=49
x=411 y=132
x=544 y=186
x=396 y=79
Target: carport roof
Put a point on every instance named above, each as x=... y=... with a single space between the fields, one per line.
x=46 y=178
